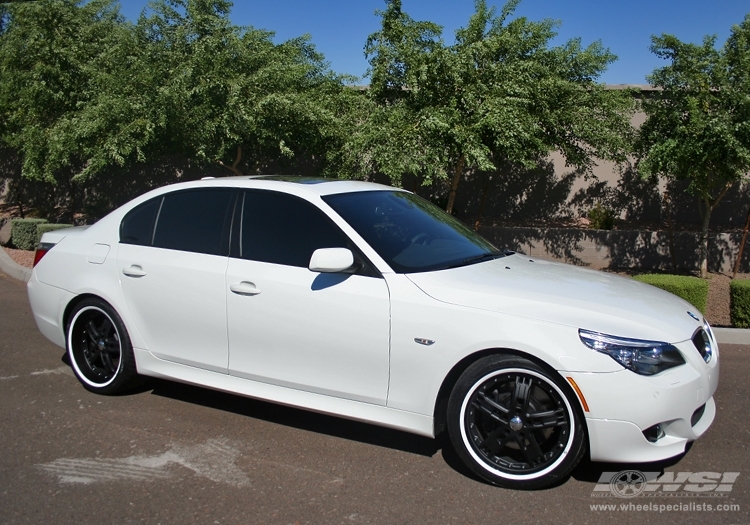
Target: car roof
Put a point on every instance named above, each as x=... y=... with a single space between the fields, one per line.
x=297 y=184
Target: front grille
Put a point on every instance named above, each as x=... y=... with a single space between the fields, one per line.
x=697 y=415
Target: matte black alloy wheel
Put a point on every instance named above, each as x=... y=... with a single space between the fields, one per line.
x=517 y=422
x=99 y=348
x=96 y=346
x=514 y=424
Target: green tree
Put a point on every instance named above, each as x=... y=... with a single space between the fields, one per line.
x=85 y=94
x=500 y=94
x=45 y=51
x=698 y=126
x=190 y=82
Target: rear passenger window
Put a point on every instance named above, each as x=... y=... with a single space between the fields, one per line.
x=283 y=229
x=138 y=225
x=191 y=220
x=196 y=221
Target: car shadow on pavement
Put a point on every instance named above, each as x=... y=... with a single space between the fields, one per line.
x=296 y=418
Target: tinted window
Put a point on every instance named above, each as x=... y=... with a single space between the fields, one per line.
x=138 y=225
x=196 y=221
x=410 y=233
x=283 y=229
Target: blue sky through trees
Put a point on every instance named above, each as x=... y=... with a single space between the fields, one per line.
x=339 y=27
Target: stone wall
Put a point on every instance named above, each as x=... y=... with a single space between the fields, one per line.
x=619 y=249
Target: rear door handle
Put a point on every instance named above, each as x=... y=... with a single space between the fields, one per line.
x=244 y=288
x=134 y=271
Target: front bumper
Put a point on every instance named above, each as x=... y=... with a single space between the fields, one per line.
x=622 y=405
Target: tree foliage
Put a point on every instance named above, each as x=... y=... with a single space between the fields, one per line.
x=499 y=94
x=84 y=93
x=698 y=126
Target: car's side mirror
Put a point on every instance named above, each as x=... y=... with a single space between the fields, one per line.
x=331 y=260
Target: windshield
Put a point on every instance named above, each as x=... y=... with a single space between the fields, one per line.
x=410 y=233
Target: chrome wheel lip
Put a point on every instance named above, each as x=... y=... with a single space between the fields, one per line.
x=70 y=342
x=502 y=473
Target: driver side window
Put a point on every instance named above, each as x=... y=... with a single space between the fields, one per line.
x=284 y=229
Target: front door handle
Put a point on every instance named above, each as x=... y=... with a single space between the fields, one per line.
x=244 y=288
x=134 y=271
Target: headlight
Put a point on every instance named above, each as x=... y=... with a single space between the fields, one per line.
x=642 y=357
x=703 y=341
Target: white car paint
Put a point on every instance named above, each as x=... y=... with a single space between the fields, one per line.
x=318 y=332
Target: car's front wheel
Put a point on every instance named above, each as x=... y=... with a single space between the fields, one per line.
x=514 y=424
x=99 y=348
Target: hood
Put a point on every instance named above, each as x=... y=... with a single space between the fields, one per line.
x=565 y=294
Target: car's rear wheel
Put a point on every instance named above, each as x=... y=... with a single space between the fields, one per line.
x=514 y=424
x=99 y=348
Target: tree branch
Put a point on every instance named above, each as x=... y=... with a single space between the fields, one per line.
x=233 y=167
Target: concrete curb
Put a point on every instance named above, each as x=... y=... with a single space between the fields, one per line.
x=12 y=269
x=732 y=336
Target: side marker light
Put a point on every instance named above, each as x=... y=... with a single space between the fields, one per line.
x=580 y=394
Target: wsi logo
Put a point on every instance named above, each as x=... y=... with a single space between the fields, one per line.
x=632 y=483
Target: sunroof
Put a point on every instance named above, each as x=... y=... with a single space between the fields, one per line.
x=296 y=179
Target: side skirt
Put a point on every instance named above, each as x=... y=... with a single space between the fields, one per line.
x=149 y=365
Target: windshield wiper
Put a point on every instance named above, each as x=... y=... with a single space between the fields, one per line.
x=477 y=259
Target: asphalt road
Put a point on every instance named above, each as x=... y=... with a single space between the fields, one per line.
x=172 y=453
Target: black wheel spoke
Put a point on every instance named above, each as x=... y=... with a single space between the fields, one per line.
x=107 y=363
x=530 y=448
x=92 y=331
x=495 y=445
x=112 y=346
x=547 y=419
x=496 y=411
x=521 y=394
x=106 y=328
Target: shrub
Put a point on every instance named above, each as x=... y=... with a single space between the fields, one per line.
x=23 y=233
x=601 y=218
x=739 y=291
x=692 y=289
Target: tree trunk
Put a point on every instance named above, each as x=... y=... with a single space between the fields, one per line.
x=233 y=167
x=706 y=215
x=742 y=246
x=670 y=228
x=704 y=240
x=454 y=184
x=481 y=205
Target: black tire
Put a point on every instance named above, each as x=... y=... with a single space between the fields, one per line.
x=515 y=424
x=99 y=348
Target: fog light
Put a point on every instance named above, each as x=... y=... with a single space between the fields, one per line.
x=654 y=434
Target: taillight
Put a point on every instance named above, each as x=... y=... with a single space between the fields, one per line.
x=42 y=250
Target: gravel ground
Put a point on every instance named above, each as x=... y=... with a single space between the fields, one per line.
x=717 y=307
x=22 y=257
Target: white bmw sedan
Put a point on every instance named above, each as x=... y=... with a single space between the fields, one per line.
x=369 y=303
